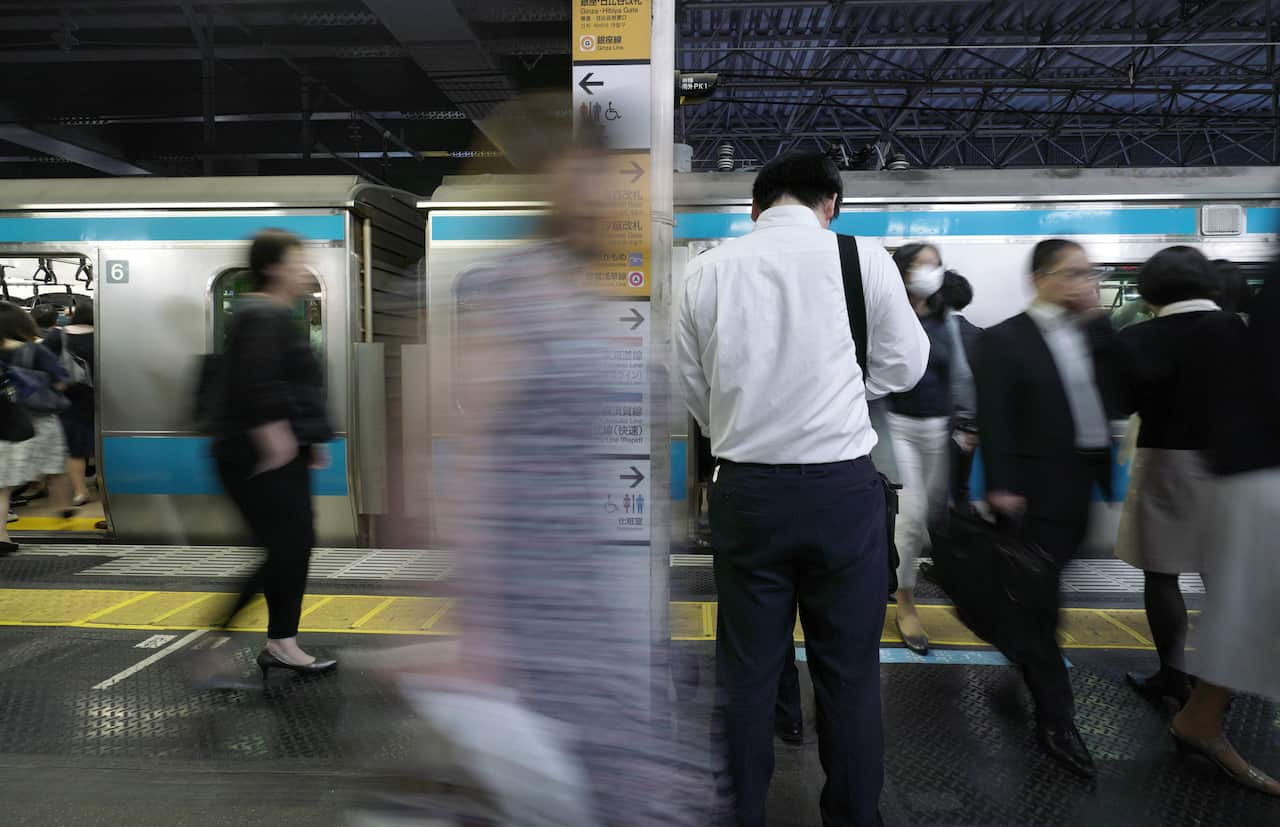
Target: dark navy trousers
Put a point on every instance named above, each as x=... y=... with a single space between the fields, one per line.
x=812 y=536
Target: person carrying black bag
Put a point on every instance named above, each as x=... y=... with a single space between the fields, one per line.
x=1046 y=444
x=797 y=508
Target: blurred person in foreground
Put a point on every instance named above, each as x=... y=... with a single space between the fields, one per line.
x=1046 y=443
x=547 y=702
x=1233 y=644
x=770 y=370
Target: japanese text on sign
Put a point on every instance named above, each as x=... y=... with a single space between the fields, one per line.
x=605 y=30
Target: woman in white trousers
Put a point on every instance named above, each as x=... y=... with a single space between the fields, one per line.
x=921 y=422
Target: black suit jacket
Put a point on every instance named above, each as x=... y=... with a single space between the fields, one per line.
x=1024 y=419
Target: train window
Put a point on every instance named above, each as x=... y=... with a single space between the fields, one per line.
x=232 y=284
x=1119 y=290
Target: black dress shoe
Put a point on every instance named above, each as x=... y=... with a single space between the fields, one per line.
x=1064 y=743
x=1163 y=684
x=790 y=733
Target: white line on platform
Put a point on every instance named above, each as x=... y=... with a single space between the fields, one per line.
x=147 y=661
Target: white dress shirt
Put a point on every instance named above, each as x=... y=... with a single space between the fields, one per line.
x=1071 y=354
x=766 y=357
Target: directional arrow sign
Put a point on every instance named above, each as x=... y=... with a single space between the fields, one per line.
x=635 y=476
x=586 y=83
x=635 y=319
x=634 y=170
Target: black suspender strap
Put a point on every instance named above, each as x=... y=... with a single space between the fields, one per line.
x=854 y=299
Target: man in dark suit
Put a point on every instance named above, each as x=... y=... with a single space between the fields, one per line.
x=1046 y=442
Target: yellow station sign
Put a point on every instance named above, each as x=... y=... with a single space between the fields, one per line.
x=624 y=267
x=605 y=30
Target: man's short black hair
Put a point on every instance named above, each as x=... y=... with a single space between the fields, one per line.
x=808 y=177
x=1046 y=253
x=1177 y=274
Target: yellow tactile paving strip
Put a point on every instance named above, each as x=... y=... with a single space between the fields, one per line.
x=382 y=615
x=47 y=524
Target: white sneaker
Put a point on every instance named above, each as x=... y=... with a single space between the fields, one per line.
x=13 y=518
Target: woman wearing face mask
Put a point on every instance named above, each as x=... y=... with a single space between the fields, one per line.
x=921 y=423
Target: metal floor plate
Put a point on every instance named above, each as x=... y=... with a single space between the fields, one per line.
x=960 y=747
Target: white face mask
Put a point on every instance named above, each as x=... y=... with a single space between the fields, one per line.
x=924 y=283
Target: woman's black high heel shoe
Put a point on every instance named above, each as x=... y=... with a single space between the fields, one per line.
x=1163 y=684
x=268 y=661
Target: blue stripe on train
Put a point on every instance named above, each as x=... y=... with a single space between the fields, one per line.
x=942 y=223
x=484 y=227
x=181 y=465
x=1262 y=220
x=1175 y=221
x=169 y=228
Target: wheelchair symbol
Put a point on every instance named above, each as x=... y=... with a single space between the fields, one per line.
x=612 y=114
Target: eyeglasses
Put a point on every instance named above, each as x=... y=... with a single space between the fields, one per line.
x=1080 y=273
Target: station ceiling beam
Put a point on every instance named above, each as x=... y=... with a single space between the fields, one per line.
x=67 y=143
x=444 y=45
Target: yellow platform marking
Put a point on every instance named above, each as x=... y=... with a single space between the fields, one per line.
x=44 y=524
x=383 y=615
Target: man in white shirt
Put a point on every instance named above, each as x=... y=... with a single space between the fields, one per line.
x=771 y=374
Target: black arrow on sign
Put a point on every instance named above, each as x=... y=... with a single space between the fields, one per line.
x=635 y=319
x=586 y=83
x=635 y=171
x=634 y=475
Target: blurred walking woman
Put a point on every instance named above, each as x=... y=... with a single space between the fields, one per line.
x=1162 y=374
x=922 y=421
x=1235 y=637
x=272 y=429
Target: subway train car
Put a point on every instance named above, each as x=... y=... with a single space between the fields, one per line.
x=984 y=222
x=163 y=260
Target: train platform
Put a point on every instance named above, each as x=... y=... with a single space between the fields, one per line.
x=92 y=642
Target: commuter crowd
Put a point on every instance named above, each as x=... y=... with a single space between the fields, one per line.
x=847 y=401
x=771 y=362
x=47 y=438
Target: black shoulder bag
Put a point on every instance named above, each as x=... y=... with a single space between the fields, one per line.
x=856 y=302
x=15 y=422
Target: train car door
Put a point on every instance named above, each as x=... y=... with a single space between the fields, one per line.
x=49 y=282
